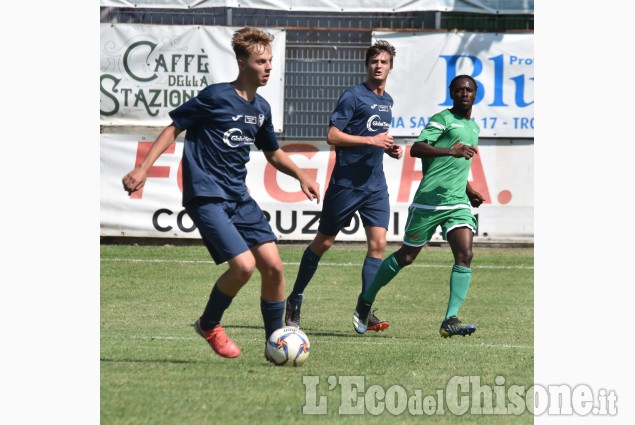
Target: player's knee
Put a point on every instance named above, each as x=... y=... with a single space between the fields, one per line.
x=319 y=247
x=273 y=271
x=242 y=268
x=407 y=260
x=325 y=246
x=464 y=257
x=376 y=248
x=243 y=272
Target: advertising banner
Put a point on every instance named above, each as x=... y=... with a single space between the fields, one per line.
x=148 y=70
x=502 y=172
x=424 y=65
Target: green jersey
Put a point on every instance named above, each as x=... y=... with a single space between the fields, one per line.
x=445 y=177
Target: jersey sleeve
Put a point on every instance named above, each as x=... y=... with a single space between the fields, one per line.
x=194 y=110
x=343 y=111
x=266 y=139
x=433 y=130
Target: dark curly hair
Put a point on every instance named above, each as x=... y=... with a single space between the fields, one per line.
x=469 y=77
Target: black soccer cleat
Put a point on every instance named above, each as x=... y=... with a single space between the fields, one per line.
x=292 y=314
x=360 y=316
x=375 y=323
x=453 y=326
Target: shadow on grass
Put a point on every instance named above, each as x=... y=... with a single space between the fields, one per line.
x=309 y=331
x=108 y=360
x=242 y=327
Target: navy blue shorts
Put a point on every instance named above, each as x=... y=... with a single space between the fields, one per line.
x=340 y=204
x=229 y=228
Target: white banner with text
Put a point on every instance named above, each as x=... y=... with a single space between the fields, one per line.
x=148 y=70
x=503 y=172
x=424 y=65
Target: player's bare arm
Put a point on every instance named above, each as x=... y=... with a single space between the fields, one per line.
x=424 y=150
x=336 y=137
x=476 y=199
x=136 y=178
x=281 y=161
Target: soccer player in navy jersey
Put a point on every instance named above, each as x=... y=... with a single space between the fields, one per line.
x=444 y=196
x=223 y=122
x=359 y=131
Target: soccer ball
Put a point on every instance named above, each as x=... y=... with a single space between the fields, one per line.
x=288 y=346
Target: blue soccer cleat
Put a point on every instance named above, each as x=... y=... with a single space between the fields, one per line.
x=453 y=326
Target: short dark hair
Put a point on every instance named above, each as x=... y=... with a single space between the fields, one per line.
x=380 y=46
x=469 y=77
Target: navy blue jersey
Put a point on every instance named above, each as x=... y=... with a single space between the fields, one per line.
x=221 y=128
x=361 y=112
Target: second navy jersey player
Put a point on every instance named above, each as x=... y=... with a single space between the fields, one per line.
x=361 y=112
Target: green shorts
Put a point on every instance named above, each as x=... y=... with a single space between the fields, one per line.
x=422 y=223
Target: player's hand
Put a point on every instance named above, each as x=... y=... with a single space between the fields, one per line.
x=311 y=189
x=134 y=181
x=394 y=151
x=463 y=151
x=382 y=140
x=476 y=199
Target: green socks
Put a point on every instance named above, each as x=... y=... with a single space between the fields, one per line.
x=459 y=284
x=387 y=270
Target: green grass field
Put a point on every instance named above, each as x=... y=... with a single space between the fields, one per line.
x=156 y=370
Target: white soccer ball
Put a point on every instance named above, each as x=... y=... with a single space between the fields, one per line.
x=288 y=346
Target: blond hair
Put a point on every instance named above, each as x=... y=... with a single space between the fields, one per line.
x=246 y=40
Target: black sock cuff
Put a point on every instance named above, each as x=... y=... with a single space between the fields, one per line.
x=221 y=296
x=312 y=256
x=372 y=260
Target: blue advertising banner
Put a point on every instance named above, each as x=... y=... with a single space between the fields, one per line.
x=424 y=65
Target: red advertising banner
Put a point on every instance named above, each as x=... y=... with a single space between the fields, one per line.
x=502 y=172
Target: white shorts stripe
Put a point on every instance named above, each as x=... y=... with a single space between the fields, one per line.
x=439 y=207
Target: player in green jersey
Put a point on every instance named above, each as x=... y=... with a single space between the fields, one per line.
x=446 y=146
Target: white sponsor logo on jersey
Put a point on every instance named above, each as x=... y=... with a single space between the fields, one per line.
x=234 y=138
x=250 y=120
x=374 y=122
x=237 y=117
